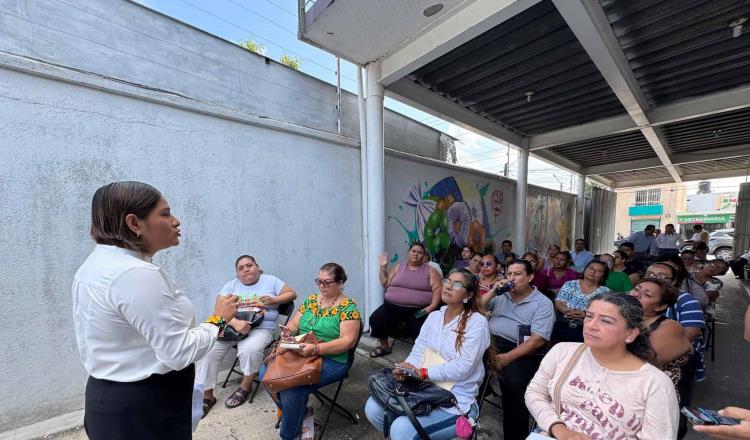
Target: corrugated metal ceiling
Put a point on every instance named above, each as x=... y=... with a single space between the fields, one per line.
x=607 y=149
x=680 y=49
x=535 y=51
x=722 y=130
x=735 y=163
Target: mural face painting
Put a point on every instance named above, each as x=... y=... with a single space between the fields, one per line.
x=457 y=212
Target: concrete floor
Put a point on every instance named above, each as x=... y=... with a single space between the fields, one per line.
x=728 y=383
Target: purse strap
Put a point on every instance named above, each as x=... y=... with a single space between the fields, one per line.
x=412 y=418
x=571 y=363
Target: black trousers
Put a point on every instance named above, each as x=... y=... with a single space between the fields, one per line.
x=513 y=382
x=685 y=388
x=158 y=407
x=388 y=316
x=738 y=267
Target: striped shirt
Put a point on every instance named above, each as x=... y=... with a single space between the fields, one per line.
x=687 y=311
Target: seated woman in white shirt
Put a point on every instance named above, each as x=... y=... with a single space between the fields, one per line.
x=250 y=284
x=611 y=391
x=134 y=326
x=460 y=335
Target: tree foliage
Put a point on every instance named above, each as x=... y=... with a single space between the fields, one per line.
x=290 y=61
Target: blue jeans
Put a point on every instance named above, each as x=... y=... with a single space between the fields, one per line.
x=293 y=402
x=439 y=424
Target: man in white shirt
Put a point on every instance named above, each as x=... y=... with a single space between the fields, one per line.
x=669 y=242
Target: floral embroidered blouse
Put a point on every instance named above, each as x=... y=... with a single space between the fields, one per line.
x=325 y=323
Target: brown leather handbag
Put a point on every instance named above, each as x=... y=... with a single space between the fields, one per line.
x=287 y=369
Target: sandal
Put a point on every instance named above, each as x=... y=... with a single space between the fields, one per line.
x=238 y=397
x=207 y=405
x=379 y=351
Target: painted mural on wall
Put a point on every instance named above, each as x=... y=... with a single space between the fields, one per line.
x=549 y=220
x=452 y=213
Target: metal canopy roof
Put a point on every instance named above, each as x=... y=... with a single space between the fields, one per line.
x=628 y=92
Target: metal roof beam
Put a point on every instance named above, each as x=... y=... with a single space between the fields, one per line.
x=555 y=159
x=677 y=159
x=708 y=105
x=419 y=97
x=686 y=178
x=461 y=27
x=592 y=29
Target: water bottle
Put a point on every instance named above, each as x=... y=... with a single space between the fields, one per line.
x=504 y=288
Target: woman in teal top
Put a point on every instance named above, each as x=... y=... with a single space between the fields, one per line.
x=334 y=318
x=616 y=281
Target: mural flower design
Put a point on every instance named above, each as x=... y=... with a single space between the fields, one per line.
x=423 y=207
x=436 y=237
x=459 y=216
x=476 y=236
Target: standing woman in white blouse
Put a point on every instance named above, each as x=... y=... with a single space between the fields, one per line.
x=135 y=328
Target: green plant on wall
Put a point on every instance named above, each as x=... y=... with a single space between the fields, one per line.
x=436 y=236
x=290 y=61
x=253 y=46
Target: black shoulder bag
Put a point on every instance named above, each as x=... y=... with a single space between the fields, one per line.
x=410 y=398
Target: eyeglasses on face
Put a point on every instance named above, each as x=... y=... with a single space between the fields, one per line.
x=661 y=276
x=324 y=283
x=455 y=285
x=487 y=263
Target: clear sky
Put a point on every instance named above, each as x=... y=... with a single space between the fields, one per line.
x=273 y=24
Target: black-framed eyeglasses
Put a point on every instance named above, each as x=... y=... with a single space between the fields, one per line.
x=325 y=283
x=487 y=263
x=455 y=285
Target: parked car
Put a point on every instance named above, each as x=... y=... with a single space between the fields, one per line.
x=720 y=243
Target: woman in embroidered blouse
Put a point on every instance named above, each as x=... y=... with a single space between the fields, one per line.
x=458 y=334
x=611 y=391
x=489 y=274
x=335 y=320
x=572 y=299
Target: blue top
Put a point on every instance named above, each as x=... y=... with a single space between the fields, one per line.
x=581 y=259
x=642 y=243
x=571 y=294
x=267 y=285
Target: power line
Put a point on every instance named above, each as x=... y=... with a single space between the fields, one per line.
x=268 y=20
x=293 y=14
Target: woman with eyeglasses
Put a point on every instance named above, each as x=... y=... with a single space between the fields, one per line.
x=412 y=292
x=572 y=299
x=611 y=390
x=489 y=274
x=335 y=320
x=456 y=336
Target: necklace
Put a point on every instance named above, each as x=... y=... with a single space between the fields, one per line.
x=323 y=305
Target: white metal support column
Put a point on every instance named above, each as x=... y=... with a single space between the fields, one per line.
x=519 y=240
x=580 y=207
x=375 y=180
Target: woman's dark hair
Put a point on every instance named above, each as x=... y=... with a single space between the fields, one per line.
x=700 y=246
x=632 y=311
x=112 y=203
x=471 y=283
x=668 y=292
x=244 y=256
x=494 y=258
x=469 y=248
x=722 y=262
x=335 y=269
x=678 y=266
x=527 y=267
x=420 y=244
x=567 y=255
x=603 y=279
x=622 y=254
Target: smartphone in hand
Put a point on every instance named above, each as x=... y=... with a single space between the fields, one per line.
x=420 y=313
x=702 y=416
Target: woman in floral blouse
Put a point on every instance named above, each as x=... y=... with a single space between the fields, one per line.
x=334 y=319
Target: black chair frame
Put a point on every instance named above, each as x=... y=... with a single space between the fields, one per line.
x=324 y=399
x=286 y=309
